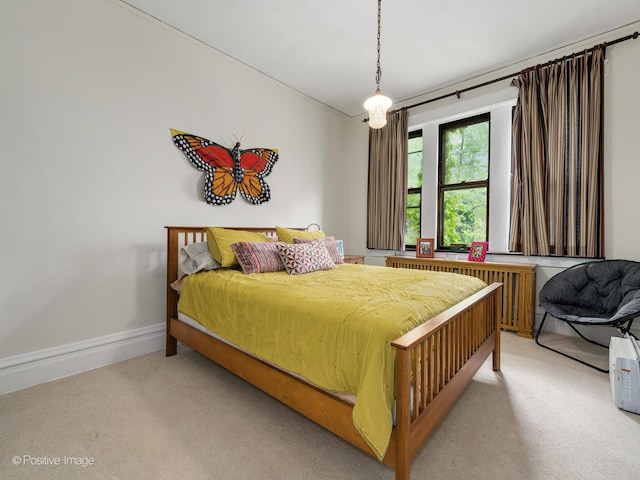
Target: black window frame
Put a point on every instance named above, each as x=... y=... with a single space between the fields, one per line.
x=415 y=190
x=443 y=188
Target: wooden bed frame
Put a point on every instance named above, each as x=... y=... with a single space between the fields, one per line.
x=440 y=356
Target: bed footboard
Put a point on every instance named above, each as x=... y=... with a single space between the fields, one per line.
x=434 y=364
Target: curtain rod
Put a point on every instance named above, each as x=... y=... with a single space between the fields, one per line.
x=457 y=93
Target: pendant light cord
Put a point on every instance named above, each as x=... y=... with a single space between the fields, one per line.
x=379 y=70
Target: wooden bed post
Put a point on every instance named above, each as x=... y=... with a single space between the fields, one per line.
x=403 y=414
x=497 y=315
x=172 y=295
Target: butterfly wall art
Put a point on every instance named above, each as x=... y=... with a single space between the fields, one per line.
x=228 y=171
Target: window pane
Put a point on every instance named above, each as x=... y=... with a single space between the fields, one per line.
x=414 y=184
x=412 y=229
x=415 y=143
x=466 y=153
x=414 y=177
x=413 y=200
x=464 y=216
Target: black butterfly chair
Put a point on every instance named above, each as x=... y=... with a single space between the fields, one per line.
x=603 y=292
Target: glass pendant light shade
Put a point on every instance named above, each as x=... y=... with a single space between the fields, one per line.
x=377 y=107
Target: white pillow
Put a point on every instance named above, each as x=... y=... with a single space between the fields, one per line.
x=195 y=257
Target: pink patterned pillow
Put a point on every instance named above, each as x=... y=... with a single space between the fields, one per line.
x=305 y=257
x=257 y=257
x=330 y=243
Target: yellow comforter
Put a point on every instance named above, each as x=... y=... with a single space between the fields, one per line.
x=333 y=327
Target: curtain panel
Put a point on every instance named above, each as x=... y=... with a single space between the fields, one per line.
x=387 y=186
x=557 y=184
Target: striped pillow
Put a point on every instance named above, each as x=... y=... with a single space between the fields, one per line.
x=257 y=257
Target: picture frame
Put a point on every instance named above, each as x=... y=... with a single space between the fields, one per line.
x=478 y=251
x=340 y=245
x=424 y=248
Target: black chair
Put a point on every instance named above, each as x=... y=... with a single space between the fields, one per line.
x=603 y=292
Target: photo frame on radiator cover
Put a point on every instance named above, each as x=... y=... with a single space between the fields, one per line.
x=478 y=251
x=424 y=248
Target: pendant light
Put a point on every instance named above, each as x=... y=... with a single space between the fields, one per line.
x=378 y=105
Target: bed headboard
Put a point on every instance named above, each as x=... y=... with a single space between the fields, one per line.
x=178 y=237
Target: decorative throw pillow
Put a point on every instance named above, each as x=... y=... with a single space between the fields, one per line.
x=330 y=243
x=258 y=257
x=219 y=241
x=304 y=257
x=287 y=235
x=196 y=257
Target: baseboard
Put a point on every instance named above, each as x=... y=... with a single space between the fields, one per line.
x=27 y=370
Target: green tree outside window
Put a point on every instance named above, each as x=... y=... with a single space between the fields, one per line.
x=463 y=181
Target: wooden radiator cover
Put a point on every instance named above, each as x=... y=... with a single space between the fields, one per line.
x=518 y=279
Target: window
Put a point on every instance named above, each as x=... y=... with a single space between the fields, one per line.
x=414 y=190
x=463 y=181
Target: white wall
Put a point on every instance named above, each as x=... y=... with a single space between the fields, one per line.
x=622 y=152
x=622 y=149
x=90 y=175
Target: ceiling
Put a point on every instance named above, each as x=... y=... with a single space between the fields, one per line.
x=327 y=49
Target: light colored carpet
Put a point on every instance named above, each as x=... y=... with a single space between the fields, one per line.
x=543 y=417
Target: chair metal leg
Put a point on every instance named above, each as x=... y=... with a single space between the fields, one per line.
x=626 y=329
x=565 y=354
x=585 y=338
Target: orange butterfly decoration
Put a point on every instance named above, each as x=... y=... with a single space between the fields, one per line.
x=227 y=171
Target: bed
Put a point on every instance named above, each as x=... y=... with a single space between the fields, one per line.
x=434 y=362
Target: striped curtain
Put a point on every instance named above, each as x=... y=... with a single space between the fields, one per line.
x=387 y=187
x=557 y=185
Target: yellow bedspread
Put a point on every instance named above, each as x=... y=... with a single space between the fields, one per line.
x=333 y=327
